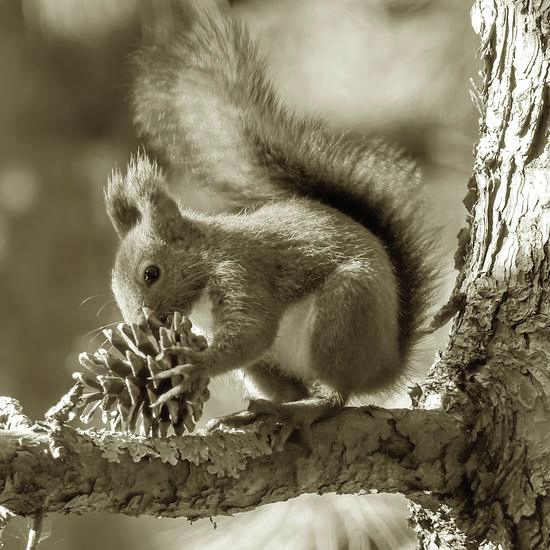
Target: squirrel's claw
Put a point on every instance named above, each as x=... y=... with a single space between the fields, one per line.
x=179 y=370
x=297 y=415
x=196 y=378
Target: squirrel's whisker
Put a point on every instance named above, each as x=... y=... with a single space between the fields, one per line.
x=92 y=298
x=111 y=301
x=99 y=329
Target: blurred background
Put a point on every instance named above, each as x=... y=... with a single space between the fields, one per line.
x=400 y=68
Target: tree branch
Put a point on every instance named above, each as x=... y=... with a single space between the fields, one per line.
x=56 y=468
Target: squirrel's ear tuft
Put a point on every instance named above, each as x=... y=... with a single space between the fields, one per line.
x=121 y=208
x=141 y=195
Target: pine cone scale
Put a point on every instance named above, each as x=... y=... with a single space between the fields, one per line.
x=127 y=385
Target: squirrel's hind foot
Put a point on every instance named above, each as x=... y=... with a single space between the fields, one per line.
x=292 y=416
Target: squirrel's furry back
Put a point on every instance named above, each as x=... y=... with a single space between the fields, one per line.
x=204 y=102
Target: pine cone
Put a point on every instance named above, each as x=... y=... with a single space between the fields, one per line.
x=122 y=382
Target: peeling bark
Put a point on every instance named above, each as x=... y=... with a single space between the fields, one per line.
x=494 y=373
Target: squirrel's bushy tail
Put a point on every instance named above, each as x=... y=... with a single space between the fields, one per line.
x=204 y=102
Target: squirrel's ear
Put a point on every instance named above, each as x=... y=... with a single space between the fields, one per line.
x=121 y=209
x=162 y=212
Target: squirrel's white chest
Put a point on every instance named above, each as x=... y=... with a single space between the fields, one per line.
x=291 y=350
x=202 y=317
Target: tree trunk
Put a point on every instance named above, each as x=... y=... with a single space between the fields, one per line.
x=494 y=374
x=474 y=457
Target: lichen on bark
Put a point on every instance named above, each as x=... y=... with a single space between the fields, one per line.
x=53 y=467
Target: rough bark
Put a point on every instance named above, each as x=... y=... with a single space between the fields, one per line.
x=494 y=374
x=55 y=468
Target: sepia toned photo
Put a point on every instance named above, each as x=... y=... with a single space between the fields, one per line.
x=275 y=274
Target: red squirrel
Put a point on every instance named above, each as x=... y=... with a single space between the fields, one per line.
x=315 y=277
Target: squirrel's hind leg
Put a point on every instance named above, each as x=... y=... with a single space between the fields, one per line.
x=355 y=339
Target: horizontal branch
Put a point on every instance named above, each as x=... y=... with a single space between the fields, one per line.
x=56 y=468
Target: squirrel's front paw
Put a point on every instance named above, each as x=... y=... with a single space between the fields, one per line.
x=187 y=379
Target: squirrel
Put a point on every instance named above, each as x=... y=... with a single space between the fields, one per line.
x=313 y=273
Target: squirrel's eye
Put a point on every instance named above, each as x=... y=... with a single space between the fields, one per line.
x=151 y=274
